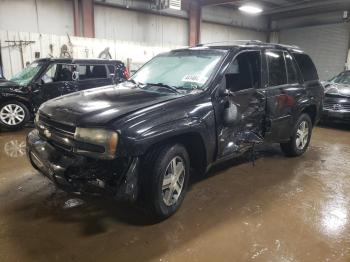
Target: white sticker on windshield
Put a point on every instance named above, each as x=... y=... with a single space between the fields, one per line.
x=195 y=79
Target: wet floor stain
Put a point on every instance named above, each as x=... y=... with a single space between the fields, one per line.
x=281 y=209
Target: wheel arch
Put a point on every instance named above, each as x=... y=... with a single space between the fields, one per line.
x=194 y=144
x=311 y=111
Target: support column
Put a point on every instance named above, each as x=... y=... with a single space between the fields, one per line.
x=88 y=18
x=76 y=15
x=195 y=17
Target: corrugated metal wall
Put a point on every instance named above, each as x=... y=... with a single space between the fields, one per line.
x=114 y=23
x=216 y=33
x=327 y=45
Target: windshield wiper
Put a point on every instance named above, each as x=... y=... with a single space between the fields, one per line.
x=172 y=88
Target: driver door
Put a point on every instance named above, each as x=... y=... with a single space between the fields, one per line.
x=56 y=81
x=242 y=96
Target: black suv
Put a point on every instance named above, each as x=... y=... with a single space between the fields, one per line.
x=44 y=79
x=189 y=108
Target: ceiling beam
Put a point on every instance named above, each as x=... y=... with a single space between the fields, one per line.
x=312 y=4
x=216 y=2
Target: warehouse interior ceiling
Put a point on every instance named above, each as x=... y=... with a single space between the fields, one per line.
x=278 y=9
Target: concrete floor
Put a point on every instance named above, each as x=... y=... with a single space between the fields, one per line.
x=279 y=210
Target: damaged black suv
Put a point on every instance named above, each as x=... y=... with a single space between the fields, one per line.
x=188 y=108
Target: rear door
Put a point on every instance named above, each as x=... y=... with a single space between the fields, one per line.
x=242 y=82
x=93 y=75
x=282 y=90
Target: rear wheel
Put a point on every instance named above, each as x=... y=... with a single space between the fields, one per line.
x=300 y=139
x=166 y=179
x=13 y=115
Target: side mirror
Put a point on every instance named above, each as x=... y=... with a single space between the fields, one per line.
x=231 y=115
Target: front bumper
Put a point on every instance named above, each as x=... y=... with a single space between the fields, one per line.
x=336 y=114
x=72 y=172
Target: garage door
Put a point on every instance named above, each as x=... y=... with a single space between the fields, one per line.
x=326 y=44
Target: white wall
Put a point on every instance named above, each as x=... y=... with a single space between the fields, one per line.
x=136 y=52
x=162 y=30
x=216 y=33
x=48 y=16
x=115 y=23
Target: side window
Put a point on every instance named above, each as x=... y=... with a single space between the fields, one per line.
x=92 y=72
x=50 y=74
x=98 y=71
x=307 y=67
x=111 y=69
x=58 y=73
x=244 y=72
x=291 y=70
x=276 y=67
x=64 y=72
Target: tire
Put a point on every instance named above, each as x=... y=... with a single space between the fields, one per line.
x=157 y=183
x=296 y=146
x=20 y=115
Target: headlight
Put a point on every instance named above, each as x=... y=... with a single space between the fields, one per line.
x=98 y=143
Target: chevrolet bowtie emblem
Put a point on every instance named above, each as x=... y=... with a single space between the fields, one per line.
x=336 y=107
x=47 y=133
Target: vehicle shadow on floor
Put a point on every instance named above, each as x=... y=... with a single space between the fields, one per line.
x=335 y=125
x=241 y=183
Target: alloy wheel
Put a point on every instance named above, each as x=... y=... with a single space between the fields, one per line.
x=173 y=181
x=302 y=136
x=12 y=114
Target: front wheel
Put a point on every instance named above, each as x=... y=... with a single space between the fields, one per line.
x=166 y=179
x=300 y=139
x=13 y=115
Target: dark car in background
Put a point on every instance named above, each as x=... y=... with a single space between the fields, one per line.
x=44 y=79
x=337 y=98
x=188 y=108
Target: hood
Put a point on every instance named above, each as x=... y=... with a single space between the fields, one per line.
x=98 y=106
x=8 y=84
x=337 y=89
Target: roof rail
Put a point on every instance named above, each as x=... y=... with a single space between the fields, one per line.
x=247 y=42
x=234 y=42
x=289 y=46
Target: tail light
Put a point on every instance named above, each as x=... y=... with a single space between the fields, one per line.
x=126 y=73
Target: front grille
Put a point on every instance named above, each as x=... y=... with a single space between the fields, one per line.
x=337 y=104
x=58 y=134
x=59 y=127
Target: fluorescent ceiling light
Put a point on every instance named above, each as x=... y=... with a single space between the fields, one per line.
x=250 y=9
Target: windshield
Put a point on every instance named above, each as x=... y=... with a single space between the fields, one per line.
x=27 y=74
x=189 y=69
x=343 y=78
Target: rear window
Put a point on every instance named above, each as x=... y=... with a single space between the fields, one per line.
x=111 y=69
x=92 y=71
x=277 y=68
x=307 y=67
x=291 y=70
